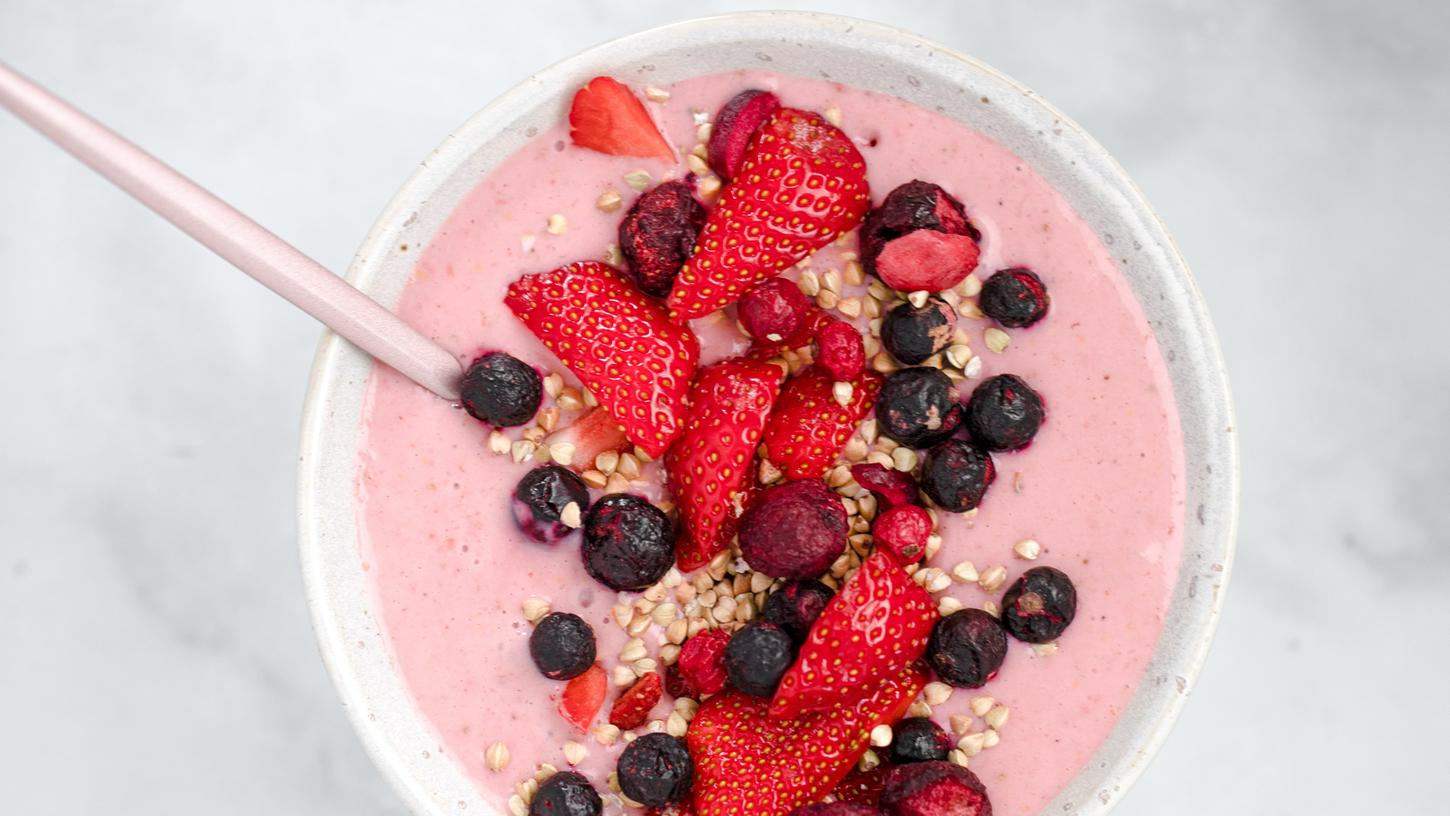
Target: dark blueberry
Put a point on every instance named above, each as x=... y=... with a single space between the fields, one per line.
x=912 y=335
x=1004 y=413
x=541 y=497
x=656 y=770
x=918 y=407
x=794 y=530
x=566 y=794
x=1016 y=298
x=757 y=657
x=918 y=739
x=795 y=606
x=1039 y=605
x=913 y=206
x=836 y=809
x=933 y=789
x=658 y=233
x=956 y=475
x=967 y=648
x=501 y=390
x=628 y=542
x=562 y=646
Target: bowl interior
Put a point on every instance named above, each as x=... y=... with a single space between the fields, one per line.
x=869 y=56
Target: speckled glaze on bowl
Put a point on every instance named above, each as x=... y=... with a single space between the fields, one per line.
x=866 y=55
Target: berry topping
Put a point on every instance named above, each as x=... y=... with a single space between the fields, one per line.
x=796 y=605
x=840 y=349
x=1016 y=298
x=862 y=787
x=801 y=185
x=934 y=789
x=875 y=626
x=773 y=310
x=918 y=407
x=702 y=662
x=749 y=763
x=606 y=116
x=540 y=500
x=808 y=427
x=919 y=239
x=710 y=463
x=562 y=646
x=836 y=809
x=583 y=697
x=956 y=475
x=657 y=234
x=918 y=739
x=632 y=707
x=1004 y=413
x=566 y=794
x=619 y=342
x=675 y=683
x=501 y=390
x=912 y=335
x=890 y=486
x=757 y=658
x=794 y=530
x=733 y=127
x=1039 y=605
x=656 y=770
x=902 y=530
x=591 y=433
x=967 y=648
x=628 y=542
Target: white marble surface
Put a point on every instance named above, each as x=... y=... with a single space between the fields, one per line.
x=155 y=654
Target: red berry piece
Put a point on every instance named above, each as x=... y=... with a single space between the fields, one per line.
x=808 y=428
x=675 y=683
x=583 y=697
x=1004 y=413
x=836 y=809
x=967 y=648
x=1039 y=605
x=891 y=487
x=633 y=706
x=934 y=789
x=919 y=239
x=657 y=234
x=702 y=662
x=903 y=531
x=733 y=127
x=1015 y=298
x=591 y=434
x=956 y=475
x=501 y=390
x=862 y=787
x=794 y=530
x=606 y=116
x=773 y=310
x=913 y=335
x=840 y=350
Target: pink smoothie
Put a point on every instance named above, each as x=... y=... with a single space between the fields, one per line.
x=1101 y=488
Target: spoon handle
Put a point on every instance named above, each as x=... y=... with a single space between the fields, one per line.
x=274 y=263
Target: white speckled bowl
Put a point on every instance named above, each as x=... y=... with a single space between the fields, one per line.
x=866 y=55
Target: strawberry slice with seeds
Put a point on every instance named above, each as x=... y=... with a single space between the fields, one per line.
x=633 y=706
x=861 y=787
x=878 y=623
x=808 y=428
x=591 y=434
x=617 y=341
x=583 y=697
x=801 y=185
x=710 y=463
x=606 y=116
x=749 y=764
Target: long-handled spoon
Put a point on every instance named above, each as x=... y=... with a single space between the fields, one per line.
x=273 y=262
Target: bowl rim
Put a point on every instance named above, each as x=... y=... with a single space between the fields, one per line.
x=339 y=607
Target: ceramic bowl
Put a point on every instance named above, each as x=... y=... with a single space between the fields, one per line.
x=866 y=55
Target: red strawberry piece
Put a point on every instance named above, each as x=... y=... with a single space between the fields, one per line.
x=878 y=623
x=591 y=434
x=802 y=184
x=934 y=788
x=750 y=764
x=710 y=462
x=808 y=428
x=632 y=707
x=583 y=697
x=903 y=531
x=919 y=239
x=702 y=662
x=617 y=341
x=685 y=808
x=862 y=787
x=927 y=261
x=773 y=310
x=657 y=234
x=734 y=125
x=606 y=116
x=840 y=349
x=890 y=486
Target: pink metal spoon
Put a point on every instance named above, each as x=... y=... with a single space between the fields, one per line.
x=274 y=263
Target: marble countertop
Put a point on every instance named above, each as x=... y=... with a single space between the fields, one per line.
x=157 y=652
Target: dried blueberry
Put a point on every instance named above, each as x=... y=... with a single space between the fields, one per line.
x=656 y=770
x=541 y=497
x=757 y=657
x=1004 y=413
x=1016 y=298
x=1039 y=605
x=566 y=794
x=562 y=646
x=919 y=239
x=628 y=542
x=918 y=739
x=956 y=475
x=796 y=605
x=914 y=334
x=966 y=648
x=501 y=390
x=658 y=234
x=918 y=407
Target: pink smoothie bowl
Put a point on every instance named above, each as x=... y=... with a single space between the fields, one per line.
x=865 y=55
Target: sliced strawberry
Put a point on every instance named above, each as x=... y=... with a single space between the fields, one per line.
x=808 y=428
x=619 y=343
x=801 y=185
x=861 y=787
x=748 y=764
x=710 y=462
x=633 y=706
x=583 y=697
x=591 y=434
x=606 y=116
x=877 y=624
